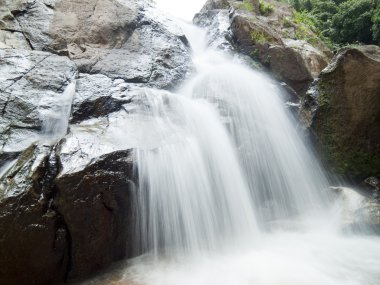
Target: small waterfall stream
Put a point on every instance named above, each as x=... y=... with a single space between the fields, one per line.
x=55 y=120
x=231 y=194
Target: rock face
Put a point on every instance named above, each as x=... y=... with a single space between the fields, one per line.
x=32 y=84
x=69 y=71
x=34 y=244
x=343 y=110
x=126 y=39
x=287 y=48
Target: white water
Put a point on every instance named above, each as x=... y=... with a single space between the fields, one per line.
x=231 y=194
x=55 y=120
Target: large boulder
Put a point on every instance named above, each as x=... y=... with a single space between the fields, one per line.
x=125 y=39
x=34 y=239
x=32 y=95
x=69 y=72
x=290 y=50
x=343 y=110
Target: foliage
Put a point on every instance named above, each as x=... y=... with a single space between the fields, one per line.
x=246 y=5
x=341 y=21
x=376 y=24
x=266 y=8
x=258 y=37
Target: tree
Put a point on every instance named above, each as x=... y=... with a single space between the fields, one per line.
x=376 y=25
x=353 y=22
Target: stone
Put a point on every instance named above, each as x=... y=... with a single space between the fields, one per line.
x=34 y=241
x=125 y=39
x=343 y=111
x=32 y=83
x=294 y=54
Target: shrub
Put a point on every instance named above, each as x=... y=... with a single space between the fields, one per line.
x=265 y=8
x=258 y=37
x=246 y=5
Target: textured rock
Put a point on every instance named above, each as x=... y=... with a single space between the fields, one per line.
x=32 y=84
x=120 y=39
x=96 y=204
x=292 y=60
x=343 y=110
x=98 y=95
x=65 y=209
x=293 y=53
x=34 y=242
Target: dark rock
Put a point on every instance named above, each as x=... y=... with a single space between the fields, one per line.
x=34 y=242
x=344 y=112
x=96 y=204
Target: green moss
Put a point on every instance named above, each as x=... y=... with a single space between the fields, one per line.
x=246 y=5
x=265 y=8
x=345 y=154
x=287 y=23
x=259 y=37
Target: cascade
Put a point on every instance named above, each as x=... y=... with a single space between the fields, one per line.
x=230 y=193
x=55 y=120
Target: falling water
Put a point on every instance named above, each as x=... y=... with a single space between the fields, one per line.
x=55 y=119
x=231 y=194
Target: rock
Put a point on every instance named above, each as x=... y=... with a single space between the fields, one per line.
x=292 y=60
x=32 y=84
x=357 y=212
x=138 y=45
x=66 y=203
x=217 y=23
x=343 y=110
x=34 y=241
x=290 y=50
x=96 y=203
x=98 y=95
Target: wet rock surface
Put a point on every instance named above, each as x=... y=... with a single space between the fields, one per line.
x=127 y=40
x=34 y=241
x=274 y=40
x=31 y=84
x=342 y=110
x=65 y=204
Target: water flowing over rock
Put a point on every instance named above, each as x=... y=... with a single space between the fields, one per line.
x=358 y=212
x=343 y=111
x=294 y=54
x=69 y=71
x=32 y=86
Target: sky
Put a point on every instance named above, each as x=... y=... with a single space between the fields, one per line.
x=184 y=9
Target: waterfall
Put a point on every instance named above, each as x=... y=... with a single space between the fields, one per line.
x=55 y=119
x=230 y=160
x=229 y=192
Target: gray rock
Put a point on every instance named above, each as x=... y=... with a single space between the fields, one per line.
x=125 y=39
x=31 y=84
x=98 y=95
x=66 y=203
